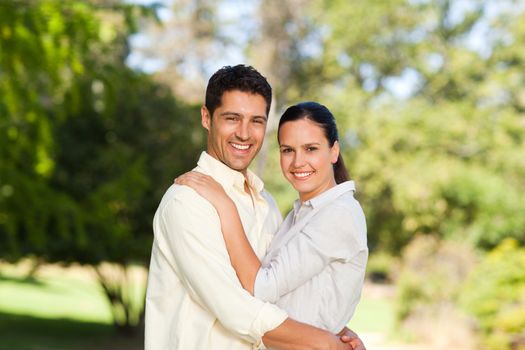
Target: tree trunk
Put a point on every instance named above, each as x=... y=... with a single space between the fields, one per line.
x=124 y=287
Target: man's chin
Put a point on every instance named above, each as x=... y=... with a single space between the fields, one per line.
x=239 y=163
x=237 y=166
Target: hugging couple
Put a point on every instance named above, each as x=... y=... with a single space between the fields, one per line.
x=226 y=272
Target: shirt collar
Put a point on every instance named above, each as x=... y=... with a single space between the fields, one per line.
x=327 y=196
x=228 y=177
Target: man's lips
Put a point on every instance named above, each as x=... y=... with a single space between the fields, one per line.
x=240 y=146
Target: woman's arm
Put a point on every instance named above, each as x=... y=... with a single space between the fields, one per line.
x=242 y=256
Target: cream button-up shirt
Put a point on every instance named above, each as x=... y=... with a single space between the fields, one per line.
x=194 y=300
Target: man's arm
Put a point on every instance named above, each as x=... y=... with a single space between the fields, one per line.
x=194 y=243
x=188 y=231
x=293 y=335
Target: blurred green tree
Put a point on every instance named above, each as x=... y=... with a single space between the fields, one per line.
x=495 y=294
x=430 y=97
x=115 y=166
x=87 y=145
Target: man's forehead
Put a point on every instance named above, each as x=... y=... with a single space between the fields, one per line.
x=244 y=100
x=246 y=92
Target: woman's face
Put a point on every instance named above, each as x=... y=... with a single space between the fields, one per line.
x=306 y=157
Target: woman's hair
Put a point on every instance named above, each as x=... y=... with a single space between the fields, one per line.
x=320 y=115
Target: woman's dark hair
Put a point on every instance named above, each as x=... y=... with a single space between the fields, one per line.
x=239 y=77
x=320 y=115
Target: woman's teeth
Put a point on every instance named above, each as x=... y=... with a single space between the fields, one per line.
x=305 y=174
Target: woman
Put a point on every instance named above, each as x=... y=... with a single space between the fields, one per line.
x=315 y=265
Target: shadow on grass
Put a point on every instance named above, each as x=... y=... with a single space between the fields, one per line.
x=24 y=332
x=22 y=280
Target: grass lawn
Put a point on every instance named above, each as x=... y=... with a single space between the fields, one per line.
x=54 y=297
x=64 y=309
x=373 y=315
x=58 y=309
x=23 y=332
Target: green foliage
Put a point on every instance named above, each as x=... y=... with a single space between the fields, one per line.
x=495 y=295
x=444 y=158
x=116 y=166
x=382 y=267
x=431 y=275
x=86 y=160
x=46 y=48
x=40 y=53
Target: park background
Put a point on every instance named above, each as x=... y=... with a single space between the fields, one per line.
x=99 y=111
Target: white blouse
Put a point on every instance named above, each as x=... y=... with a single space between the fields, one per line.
x=315 y=266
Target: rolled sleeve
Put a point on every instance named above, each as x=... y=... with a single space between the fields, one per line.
x=193 y=239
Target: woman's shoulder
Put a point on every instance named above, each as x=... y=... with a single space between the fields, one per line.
x=343 y=216
x=340 y=207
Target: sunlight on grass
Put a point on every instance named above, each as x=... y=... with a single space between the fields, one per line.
x=373 y=314
x=53 y=293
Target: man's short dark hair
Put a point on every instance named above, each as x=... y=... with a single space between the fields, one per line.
x=239 y=77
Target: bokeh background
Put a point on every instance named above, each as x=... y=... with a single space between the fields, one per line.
x=99 y=111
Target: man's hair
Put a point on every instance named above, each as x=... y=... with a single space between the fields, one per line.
x=239 y=77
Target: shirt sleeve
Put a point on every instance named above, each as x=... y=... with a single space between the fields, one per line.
x=191 y=229
x=337 y=232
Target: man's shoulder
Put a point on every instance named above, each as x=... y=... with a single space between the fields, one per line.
x=174 y=192
x=182 y=195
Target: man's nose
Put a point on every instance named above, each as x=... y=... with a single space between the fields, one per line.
x=243 y=131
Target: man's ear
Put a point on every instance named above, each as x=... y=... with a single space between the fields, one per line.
x=335 y=152
x=205 y=118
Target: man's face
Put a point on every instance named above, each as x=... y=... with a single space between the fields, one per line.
x=236 y=129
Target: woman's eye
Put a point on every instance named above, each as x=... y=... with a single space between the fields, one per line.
x=311 y=149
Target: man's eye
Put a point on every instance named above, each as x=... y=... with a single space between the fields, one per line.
x=286 y=150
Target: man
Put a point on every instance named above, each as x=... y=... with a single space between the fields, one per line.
x=194 y=298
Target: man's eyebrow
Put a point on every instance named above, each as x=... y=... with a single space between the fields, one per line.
x=265 y=117
x=231 y=113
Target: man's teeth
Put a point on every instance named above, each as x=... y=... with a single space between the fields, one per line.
x=241 y=147
x=302 y=174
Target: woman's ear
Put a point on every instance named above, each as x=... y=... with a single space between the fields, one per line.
x=335 y=152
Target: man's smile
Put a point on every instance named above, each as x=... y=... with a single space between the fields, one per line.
x=240 y=147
